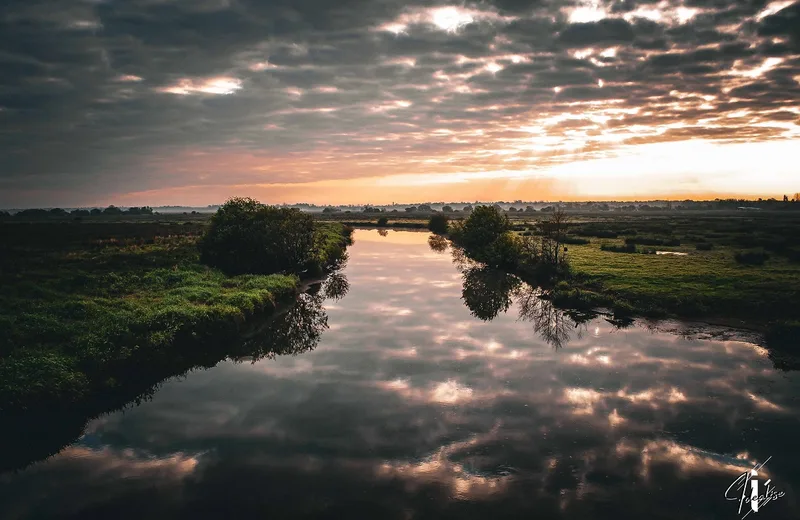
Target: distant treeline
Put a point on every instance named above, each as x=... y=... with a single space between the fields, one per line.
x=58 y=212
x=785 y=203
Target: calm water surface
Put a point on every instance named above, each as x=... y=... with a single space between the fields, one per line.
x=439 y=392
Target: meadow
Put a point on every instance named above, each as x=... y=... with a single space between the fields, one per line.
x=93 y=307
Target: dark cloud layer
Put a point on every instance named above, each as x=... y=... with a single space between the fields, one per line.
x=112 y=96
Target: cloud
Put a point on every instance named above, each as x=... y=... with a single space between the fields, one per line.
x=104 y=99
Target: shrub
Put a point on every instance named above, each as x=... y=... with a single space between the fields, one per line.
x=438 y=223
x=751 y=257
x=627 y=248
x=651 y=241
x=599 y=233
x=383 y=222
x=246 y=236
x=576 y=241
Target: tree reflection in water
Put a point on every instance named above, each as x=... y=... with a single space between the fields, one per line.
x=438 y=243
x=300 y=327
x=487 y=292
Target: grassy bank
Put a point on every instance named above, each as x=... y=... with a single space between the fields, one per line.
x=92 y=308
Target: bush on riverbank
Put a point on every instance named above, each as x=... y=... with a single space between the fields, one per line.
x=246 y=236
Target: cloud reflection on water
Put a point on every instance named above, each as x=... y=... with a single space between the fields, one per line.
x=400 y=413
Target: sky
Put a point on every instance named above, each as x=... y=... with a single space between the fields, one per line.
x=157 y=102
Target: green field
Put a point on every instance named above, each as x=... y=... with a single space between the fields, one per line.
x=89 y=308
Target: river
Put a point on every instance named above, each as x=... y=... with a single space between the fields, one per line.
x=412 y=385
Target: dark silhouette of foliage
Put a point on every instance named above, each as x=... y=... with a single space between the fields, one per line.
x=447 y=209
x=112 y=210
x=751 y=257
x=96 y=211
x=144 y=210
x=487 y=292
x=246 y=236
x=437 y=243
x=32 y=213
x=438 y=223
x=383 y=222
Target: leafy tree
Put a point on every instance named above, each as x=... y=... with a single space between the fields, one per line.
x=383 y=222
x=79 y=212
x=96 y=211
x=438 y=223
x=424 y=208
x=487 y=236
x=32 y=213
x=467 y=208
x=411 y=209
x=447 y=209
x=4 y=214
x=112 y=210
x=246 y=236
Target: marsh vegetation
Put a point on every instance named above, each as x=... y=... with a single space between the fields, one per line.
x=89 y=309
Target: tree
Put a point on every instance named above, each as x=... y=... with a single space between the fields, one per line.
x=330 y=209
x=4 y=214
x=796 y=197
x=383 y=222
x=467 y=208
x=447 y=209
x=487 y=236
x=553 y=231
x=96 y=211
x=411 y=209
x=424 y=208
x=438 y=223
x=246 y=236
x=112 y=210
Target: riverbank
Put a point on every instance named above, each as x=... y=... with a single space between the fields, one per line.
x=95 y=308
x=699 y=278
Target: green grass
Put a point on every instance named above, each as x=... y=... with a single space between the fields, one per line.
x=703 y=284
x=94 y=313
x=707 y=284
